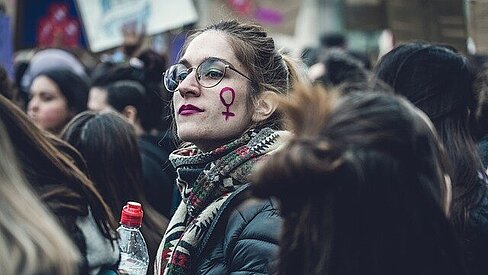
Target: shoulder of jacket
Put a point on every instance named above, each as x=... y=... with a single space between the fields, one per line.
x=252 y=208
x=253 y=219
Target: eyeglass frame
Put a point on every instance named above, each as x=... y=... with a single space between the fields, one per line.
x=197 y=77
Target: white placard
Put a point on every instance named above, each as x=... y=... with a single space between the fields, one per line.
x=103 y=19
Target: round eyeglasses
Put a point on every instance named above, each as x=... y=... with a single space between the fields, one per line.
x=208 y=74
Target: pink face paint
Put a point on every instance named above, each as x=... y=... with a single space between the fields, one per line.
x=227 y=96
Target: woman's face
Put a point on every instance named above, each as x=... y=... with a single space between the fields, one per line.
x=211 y=117
x=47 y=106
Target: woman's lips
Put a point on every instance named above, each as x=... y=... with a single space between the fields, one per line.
x=189 y=109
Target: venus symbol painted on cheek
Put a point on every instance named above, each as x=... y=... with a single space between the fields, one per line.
x=227 y=96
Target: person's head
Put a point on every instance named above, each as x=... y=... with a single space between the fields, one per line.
x=151 y=115
x=440 y=81
x=127 y=98
x=333 y=40
x=50 y=166
x=51 y=59
x=31 y=239
x=233 y=70
x=56 y=96
x=436 y=79
x=109 y=74
x=157 y=113
x=339 y=68
x=362 y=187
x=153 y=65
x=113 y=159
x=114 y=165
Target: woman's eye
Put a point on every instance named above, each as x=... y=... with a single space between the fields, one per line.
x=214 y=73
x=45 y=97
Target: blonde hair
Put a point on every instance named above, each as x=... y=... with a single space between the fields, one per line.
x=31 y=240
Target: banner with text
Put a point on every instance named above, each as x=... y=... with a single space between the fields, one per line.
x=103 y=19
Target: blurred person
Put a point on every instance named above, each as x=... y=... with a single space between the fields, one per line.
x=440 y=82
x=129 y=98
x=31 y=239
x=363 y=188
x=115 y=167
x=104 y=77
x=338 y=68
x=51 y=59
x=147 y=69
x=223 y=85
x=55 y=97
x=158 y=113
x=338 y=42
x=55 y=169
x=156 y=140
x=333 y=40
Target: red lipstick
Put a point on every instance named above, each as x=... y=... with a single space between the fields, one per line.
x=189 y=109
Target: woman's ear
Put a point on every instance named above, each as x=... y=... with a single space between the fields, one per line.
x=265 y=106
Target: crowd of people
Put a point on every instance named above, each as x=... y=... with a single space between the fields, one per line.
x=246 y=160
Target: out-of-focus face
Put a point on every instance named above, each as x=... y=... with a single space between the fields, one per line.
x=211 y=117
x=97 y=100
x=47 y=106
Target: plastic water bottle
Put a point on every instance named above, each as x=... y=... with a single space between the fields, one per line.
x=134 y=257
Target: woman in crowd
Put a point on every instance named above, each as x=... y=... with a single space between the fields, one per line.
x=130 y=99
x=114 y=165
x=55 y=97
x=52 y=168
x=222 y=87
x=440 y=82
x=363 y=188
x=31 y=239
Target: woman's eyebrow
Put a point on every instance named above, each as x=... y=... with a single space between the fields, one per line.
x=184 y=62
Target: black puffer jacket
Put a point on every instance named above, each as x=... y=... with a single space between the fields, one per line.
x=243 y=239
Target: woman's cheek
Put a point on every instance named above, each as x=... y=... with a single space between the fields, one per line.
x=53 y=117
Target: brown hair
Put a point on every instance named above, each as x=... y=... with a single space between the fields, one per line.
x=54 y=174
x=268 y=69
x=361 y=187
x=439 y=81
x=114 y=164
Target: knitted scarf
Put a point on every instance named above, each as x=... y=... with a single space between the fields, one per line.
x=205 y=181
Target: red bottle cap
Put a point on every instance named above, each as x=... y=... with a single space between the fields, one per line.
x=132 y=214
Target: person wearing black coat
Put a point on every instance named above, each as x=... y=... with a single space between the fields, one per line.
x=223 y=89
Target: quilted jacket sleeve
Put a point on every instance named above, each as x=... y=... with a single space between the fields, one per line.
x=252 y=237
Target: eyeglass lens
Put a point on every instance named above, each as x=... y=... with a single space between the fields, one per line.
x=208 y=74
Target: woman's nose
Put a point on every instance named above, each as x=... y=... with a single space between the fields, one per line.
x=189 y=86
x=33 y=104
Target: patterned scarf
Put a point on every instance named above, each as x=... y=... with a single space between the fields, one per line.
x=205 y=181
